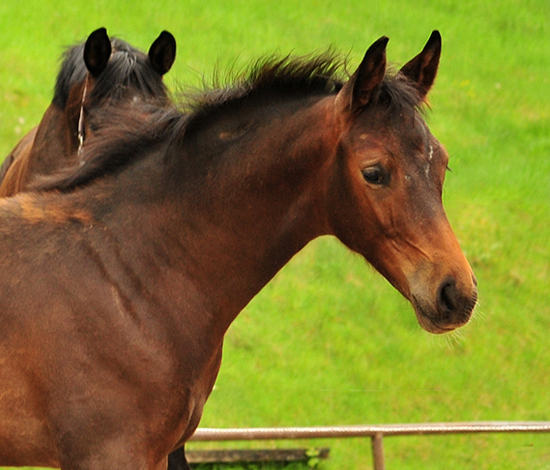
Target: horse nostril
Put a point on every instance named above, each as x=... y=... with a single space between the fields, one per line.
x=447 y=298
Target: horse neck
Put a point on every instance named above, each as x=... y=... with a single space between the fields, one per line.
x=13 y=172
x=263 y=201
x=53 y=146
x=57 y=139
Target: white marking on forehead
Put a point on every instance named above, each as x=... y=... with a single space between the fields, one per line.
x=427 y=166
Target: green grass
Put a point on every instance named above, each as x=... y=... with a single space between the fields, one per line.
x=329 y=341
x=255 y=466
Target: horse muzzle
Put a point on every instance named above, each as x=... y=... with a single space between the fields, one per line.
x=450 y=306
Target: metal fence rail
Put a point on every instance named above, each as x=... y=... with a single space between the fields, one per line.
x=375 y=432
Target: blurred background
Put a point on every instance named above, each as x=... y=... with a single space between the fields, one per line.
x=329 y=341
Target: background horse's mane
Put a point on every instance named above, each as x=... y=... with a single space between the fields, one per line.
x=132 y=131
x=127 y=67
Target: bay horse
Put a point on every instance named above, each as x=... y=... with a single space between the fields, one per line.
x=94 y=75
x=140 y=258
x=98 y=73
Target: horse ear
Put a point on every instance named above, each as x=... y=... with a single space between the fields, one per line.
x=97 y=51
x=363 y=84
x=163 y=52
x=421 y=70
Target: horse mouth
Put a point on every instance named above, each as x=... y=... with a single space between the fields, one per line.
x=431 y=326
x=438 y=323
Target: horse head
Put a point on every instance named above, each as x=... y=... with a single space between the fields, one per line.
x=116 y=73
x=389 y=204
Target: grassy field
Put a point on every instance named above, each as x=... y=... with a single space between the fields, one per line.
x=329 y=341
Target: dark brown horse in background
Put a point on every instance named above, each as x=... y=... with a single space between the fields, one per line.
x=99 y=73
x=94 y=76
x=137 y=262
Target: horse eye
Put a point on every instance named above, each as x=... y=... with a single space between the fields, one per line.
x=375 y=175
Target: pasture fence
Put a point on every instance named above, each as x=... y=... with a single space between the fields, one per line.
x=375 y=432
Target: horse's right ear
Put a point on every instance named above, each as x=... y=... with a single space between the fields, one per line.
x=97 y=51
x=162 y=52
x=421 y=70
x=363 y=84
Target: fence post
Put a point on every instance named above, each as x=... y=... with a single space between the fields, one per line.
x=378 y=451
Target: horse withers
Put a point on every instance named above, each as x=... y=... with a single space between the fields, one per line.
x=121 y=277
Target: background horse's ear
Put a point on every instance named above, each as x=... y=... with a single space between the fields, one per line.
x=163 y=52
x=421 y=70
x=97 y=51
x=363 y=84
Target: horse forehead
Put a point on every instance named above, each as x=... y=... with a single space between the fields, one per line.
x=409 y=143
x=419 y=146
x=405 y=139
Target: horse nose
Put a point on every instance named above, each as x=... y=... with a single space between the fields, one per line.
x=450 y=305
x=447 y=297
x=455 y=303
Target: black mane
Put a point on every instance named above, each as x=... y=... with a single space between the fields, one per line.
x=130 y=136
x=274 y=77
x=127 y=67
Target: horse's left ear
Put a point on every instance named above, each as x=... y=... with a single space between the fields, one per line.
x=363 y=84
x=421 y=70
x=97 y=51
x=162 y=52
